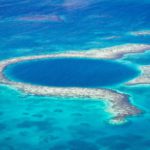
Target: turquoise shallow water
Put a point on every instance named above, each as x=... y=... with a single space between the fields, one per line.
x=49 y=123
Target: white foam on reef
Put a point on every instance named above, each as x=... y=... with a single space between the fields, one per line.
x=119 y=105
x=144 y=78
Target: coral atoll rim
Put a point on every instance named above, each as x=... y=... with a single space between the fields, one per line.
x=119 y=105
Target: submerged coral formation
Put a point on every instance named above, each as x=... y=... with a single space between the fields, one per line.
x=144 y=78
x=118 y=103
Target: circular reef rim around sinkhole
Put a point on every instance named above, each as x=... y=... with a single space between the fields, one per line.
x=70 y=72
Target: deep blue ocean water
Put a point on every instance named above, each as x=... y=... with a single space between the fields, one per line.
x=71 y=72
x=49 y=123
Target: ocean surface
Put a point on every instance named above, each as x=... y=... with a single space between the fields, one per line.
x=71 y=72
x=34 y=27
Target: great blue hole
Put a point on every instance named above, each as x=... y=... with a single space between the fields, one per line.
x=70 y=72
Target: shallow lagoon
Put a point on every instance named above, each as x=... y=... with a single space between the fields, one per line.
x=71 y=72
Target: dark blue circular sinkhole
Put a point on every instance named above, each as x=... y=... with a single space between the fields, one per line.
x=70 y=72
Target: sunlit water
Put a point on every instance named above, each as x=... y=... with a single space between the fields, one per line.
x=50 y=123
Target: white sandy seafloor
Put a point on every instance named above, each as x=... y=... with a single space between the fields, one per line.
x=119 y=105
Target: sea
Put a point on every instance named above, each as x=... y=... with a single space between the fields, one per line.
x=35 y=27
